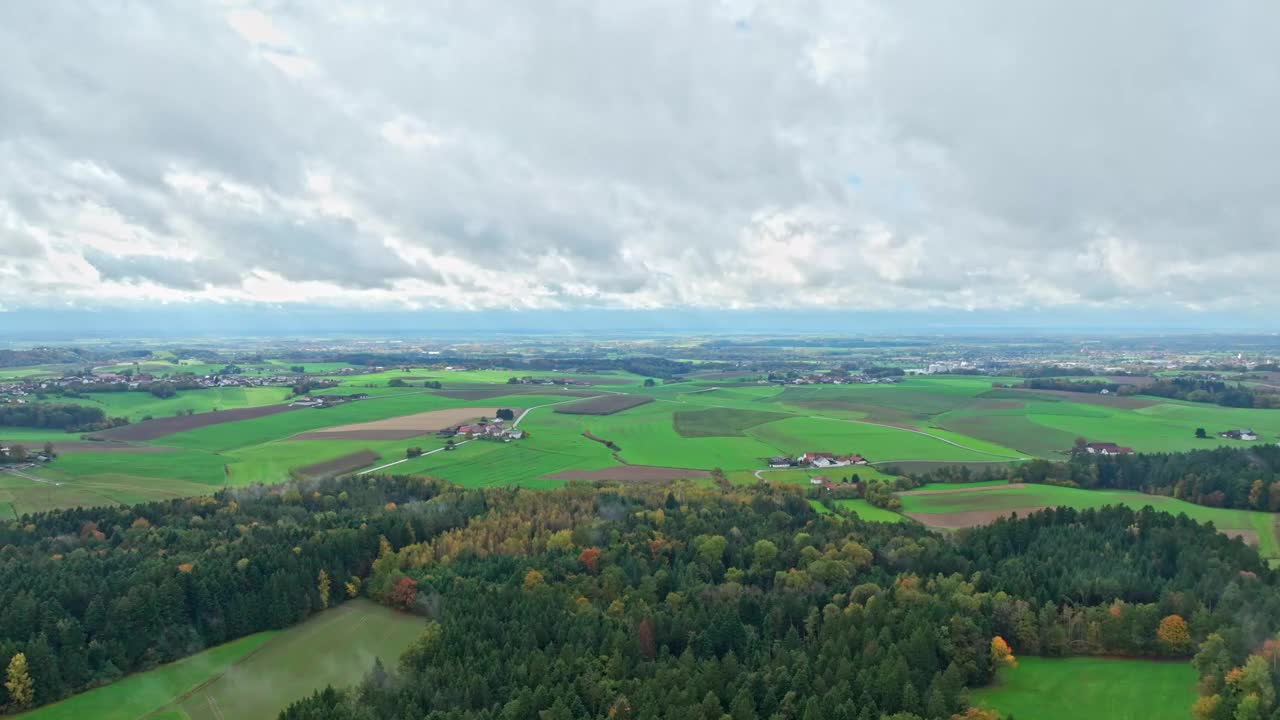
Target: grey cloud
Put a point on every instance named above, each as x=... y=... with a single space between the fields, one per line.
x=572 y=138
x=169 y=272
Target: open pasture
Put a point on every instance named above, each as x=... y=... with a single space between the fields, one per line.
x=721 y=422
x=864 y=510
x=1096 y=688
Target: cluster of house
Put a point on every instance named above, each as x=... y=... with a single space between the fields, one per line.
x=1242 y=434
x=818 y=460
x=824 y=379
x=1106 y=448
x=493 y=430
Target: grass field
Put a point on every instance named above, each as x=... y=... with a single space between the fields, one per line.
x=138 y=696
x=137 y=405
x=703 y=424
x=1100 y=689
x=334 y=648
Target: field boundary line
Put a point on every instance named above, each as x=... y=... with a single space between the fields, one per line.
x=403 y=460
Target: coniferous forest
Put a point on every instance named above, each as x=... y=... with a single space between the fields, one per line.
x=639 y=602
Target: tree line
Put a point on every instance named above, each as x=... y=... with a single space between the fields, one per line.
x=1225 y=477
x=58 y=416
x=697 y=604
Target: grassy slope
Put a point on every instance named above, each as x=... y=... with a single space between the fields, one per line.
x=334 y=648
x=138 y=695
x=1099 y=689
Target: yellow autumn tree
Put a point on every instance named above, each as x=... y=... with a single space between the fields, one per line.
x=353 y=587
x=532 y=579
x=1206 y=708
x=18 y=682
x=1174 y=635
x=1001 y=654
x=322 y=586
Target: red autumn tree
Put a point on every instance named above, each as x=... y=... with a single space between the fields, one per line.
x=404 y=593
x=590 y=557
x=644 y=636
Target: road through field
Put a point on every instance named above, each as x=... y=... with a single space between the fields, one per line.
x=515 y=423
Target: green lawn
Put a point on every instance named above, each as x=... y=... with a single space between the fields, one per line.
x=139 y=695
x=1099 y=689
x=334 y=648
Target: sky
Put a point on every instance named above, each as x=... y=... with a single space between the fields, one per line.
x=643 y=155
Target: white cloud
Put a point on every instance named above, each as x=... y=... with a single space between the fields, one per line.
x=830 y=154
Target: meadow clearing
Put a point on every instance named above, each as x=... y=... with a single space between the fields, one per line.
x=336 y=647
x=138 y=696
x=1097 y=688
x=255 y=677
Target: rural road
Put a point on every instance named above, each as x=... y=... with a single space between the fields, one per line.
x=514 y=423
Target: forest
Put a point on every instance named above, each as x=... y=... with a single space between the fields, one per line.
x=91 y=595
x=701 y=604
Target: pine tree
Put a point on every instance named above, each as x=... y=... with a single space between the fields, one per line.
x=18 y=682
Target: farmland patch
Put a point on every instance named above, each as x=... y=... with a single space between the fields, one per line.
x=339 y=465
x=607 y=405
x=721 y=422
x=402 y=427
x=152 y=429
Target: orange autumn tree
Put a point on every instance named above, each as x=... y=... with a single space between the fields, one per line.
x=589 y=557
x=1002 y=654
x=1174 y=635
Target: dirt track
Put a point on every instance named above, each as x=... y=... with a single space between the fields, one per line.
x=630 y=473
x=403 y=427
x=152 y=429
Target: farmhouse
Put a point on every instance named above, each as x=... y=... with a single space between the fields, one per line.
x=779 y=462
x=1106 y=448
x=1241 y=434
x=818 y=459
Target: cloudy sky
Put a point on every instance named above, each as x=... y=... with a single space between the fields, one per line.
x=649 y=154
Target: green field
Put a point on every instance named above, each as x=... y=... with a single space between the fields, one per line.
x=334 y=648
x=703 y=424
x=138 y=696
x=1100 y=689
